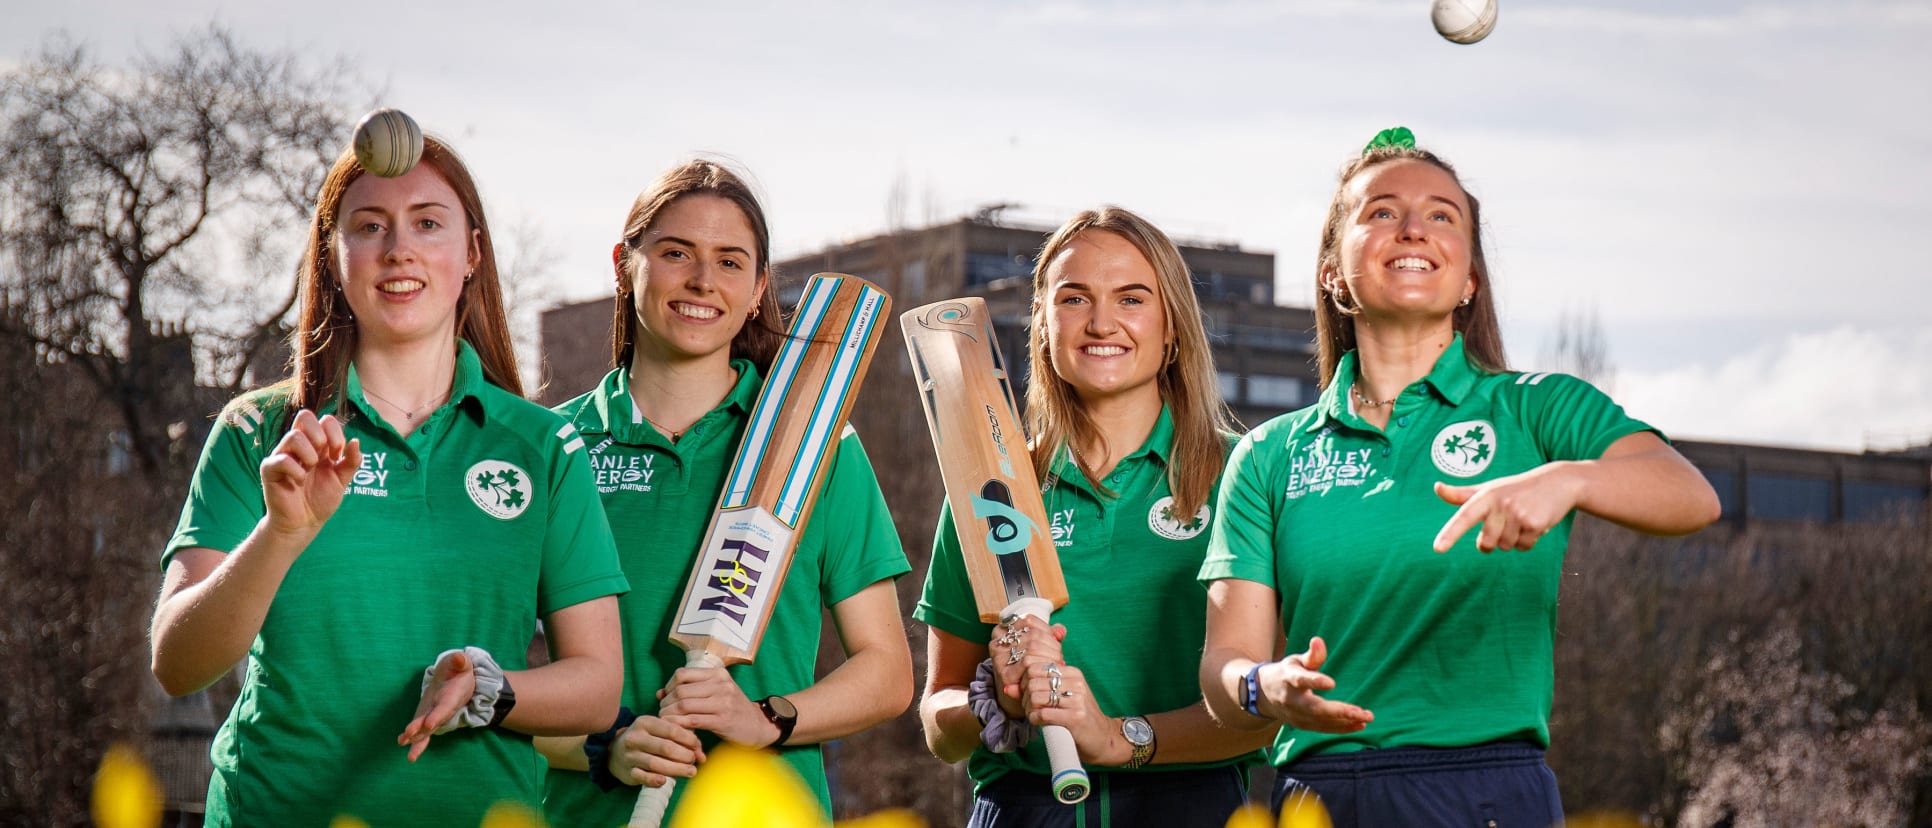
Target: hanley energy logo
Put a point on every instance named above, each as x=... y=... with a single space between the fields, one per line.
x=1464 y=449
x=500 y=489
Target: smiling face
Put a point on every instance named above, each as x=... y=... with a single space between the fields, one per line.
x=693 y=279
x=1106 y=331
x=1405 y=243
x=404 y=246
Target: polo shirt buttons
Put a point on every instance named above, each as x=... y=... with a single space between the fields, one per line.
x=409 y=466
x=1385 y=451
x=1402 y=421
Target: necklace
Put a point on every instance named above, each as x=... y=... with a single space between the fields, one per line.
x=408 y=413
x=674 y=434
x=1365 y=402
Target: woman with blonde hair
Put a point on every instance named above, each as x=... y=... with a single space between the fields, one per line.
x=1360 y=527
x=1129 y=437
x=394 y=504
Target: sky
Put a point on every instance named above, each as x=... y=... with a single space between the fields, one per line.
x=1741 y=192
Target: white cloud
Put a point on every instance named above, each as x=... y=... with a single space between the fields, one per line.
x=1847 y=388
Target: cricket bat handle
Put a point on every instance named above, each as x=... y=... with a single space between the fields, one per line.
x=652 y=802
x=1069 y=779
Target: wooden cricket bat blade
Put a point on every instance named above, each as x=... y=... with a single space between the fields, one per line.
x=774 y=481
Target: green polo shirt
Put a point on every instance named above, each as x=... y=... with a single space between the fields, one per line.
x=1124 y=557
x=659 y=497
x=461 y=534
x=1339 y=518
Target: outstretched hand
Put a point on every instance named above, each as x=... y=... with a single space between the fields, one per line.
x=1514 y=511
x=1289 y=694
x=305 y=478
x=452 y=683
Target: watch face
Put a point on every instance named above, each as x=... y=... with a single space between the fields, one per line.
x=783 y=707
x=1137 y=731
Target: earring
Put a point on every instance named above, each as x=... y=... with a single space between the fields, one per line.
x=1173 y=351
x=1465 y=300
x=754 y=310
x=468 y=276
x=1340 y=300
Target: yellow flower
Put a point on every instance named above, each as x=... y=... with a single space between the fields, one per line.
x=126 y=794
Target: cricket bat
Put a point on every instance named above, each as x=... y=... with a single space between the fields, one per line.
x=967 y=390
x=773 y=482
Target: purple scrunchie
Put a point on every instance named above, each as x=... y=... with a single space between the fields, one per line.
x=1001 y=734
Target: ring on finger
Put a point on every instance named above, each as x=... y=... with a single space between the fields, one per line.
x=1053 y=670
x=1015 y=656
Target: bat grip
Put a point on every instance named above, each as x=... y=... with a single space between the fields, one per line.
x=1070 y=782
x=653 y=802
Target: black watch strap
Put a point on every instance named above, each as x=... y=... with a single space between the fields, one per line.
x=597 y=751
x=781 y=713
x=505 y=700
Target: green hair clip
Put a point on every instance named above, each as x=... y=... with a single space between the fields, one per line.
x=1398 y=137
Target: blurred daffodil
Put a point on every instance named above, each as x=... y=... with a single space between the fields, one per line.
x=126 y=794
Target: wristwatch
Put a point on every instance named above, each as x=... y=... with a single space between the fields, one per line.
x=506 y=698
x=1140 y=734
x=782 y=713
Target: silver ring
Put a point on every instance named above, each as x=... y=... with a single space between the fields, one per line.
x=1068 y=694
x=1053 y=682
x=1053 y=700
x=1015 y=656
x=1053 y=669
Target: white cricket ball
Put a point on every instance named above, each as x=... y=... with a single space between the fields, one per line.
x=388 y=142
x=1464 y=21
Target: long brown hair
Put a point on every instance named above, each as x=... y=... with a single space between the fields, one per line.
x=324 y=339
x=759 y=339
x=1188 y=384
x=1482 y=335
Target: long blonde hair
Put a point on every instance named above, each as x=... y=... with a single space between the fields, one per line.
x=1188 y=385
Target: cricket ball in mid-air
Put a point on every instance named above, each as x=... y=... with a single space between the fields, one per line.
x=1464 y=21
x=388 y=142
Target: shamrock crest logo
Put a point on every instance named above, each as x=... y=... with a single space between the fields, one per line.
x=1162 y=520
x=500 y=489
x=1464 y=449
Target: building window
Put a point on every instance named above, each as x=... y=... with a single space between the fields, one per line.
x=1869 y=501
x=987 y=268
x=913 y=283
x=1790 y=497
x=1230 y=386
x=1286 y=392
x=1725 y=483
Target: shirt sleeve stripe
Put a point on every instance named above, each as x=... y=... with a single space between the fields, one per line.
x=565 y=432
x=576 y=444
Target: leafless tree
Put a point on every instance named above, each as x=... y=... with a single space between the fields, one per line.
x=148 y=217
x=1578 y=347
x=117 y=188
x=527 y=260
